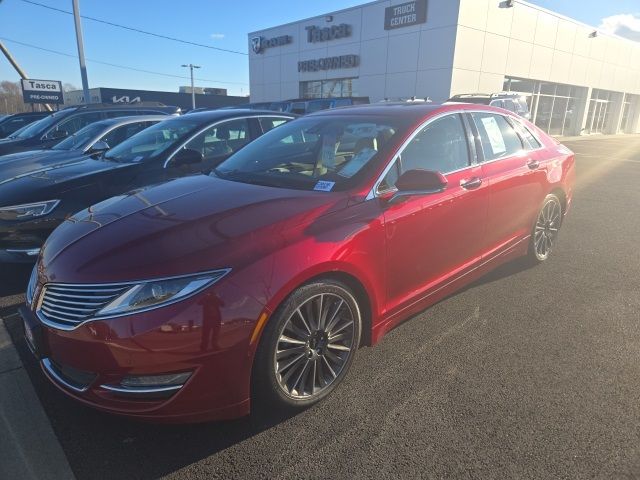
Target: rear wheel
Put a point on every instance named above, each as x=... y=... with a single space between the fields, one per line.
x=307 y=346
x=545 y=230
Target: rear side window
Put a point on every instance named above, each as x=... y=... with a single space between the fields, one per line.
x=497 y=136
x=531 y=141
x=269 y=123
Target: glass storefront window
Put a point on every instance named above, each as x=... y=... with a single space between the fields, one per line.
x=333 y=88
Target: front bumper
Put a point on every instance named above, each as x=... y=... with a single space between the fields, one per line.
x=202 y=335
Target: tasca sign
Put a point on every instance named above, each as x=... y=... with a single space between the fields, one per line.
x=42 y=91
x=405 y=14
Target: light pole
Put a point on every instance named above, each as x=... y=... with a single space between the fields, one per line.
x=83 y=67
x=191 y=66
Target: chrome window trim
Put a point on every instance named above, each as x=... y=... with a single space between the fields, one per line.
x=373 y=193
x=69 y=328
x=46 y=363
x=217 y=123
x=118 y=125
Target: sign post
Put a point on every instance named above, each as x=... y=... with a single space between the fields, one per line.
x=42 y=91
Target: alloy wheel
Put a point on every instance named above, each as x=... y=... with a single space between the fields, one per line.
x=547 y=227
x=314 y=345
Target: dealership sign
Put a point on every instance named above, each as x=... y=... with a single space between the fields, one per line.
x=258 y=44
x=329 y=63
x=317 y=34
x=42 y=91
x=405 y=14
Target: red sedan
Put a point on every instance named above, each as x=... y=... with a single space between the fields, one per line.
x=196 y=298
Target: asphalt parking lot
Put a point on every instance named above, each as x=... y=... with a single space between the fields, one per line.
x=529 y=373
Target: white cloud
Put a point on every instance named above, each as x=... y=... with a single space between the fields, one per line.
x=217 y=36
x=626 y=25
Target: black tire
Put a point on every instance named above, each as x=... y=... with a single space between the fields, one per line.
x=545 y=230
x=269 y=388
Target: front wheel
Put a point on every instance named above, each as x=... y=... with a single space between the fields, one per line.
x=545 y=230
x=307 y=346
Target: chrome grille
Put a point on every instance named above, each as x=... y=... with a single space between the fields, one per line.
x=66 y=306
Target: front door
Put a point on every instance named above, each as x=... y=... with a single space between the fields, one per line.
x=433 y=238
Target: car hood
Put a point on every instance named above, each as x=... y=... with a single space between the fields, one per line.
x=184 y=226
x=15 y=164
x=54 y=177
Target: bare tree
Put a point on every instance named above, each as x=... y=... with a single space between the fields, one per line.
x=11 y=98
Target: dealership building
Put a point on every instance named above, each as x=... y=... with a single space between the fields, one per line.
x=577 y=80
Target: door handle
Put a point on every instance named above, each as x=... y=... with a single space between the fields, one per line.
x=471 y=183
x=533 y=164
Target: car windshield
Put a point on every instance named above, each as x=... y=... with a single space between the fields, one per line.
x=81 y=138
x=321 y=153
x=153 y=141
x=41 y=126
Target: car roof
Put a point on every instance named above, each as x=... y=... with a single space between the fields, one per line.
x=414 y=111
x=133 y=118
x=233 y=113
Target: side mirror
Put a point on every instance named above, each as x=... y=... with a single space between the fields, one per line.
x=418 y=182
x=57 y=134
x=99 y=147
x=187 y=156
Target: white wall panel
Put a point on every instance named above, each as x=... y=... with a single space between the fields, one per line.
x=546 y=30
x=541 y=59
x=435 y=84
x=402 y=55
x=469 y=48
x=494 y=58
x=519 y=58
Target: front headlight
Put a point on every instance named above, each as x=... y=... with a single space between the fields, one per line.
x=158 y=293
x=28 y=211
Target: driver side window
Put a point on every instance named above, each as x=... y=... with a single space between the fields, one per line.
x=441 y=146
x=222 y=139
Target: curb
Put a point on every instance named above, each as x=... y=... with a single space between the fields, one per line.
x=29 y=448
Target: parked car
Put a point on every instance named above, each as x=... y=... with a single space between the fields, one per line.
x=514 y=102
x=254 y=286
x=50 y=130
x=10 y=123
x=94 y=139
x=33 y=203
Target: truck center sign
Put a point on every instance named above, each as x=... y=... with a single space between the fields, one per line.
x=42 y=91
x=405 y=14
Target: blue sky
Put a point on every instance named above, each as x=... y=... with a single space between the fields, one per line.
x=217 y=23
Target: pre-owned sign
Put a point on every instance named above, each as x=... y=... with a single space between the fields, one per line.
x=42 y=91
x=405 y=14
x=329 y=63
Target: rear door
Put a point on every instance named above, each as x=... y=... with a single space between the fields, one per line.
x=516 y=180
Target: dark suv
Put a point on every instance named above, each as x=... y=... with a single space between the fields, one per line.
x=513 y=102
x=50 y=130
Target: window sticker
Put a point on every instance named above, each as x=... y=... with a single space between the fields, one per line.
x=324 y=186
x=328 y=153
x=494 y=134
x=358 y=161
